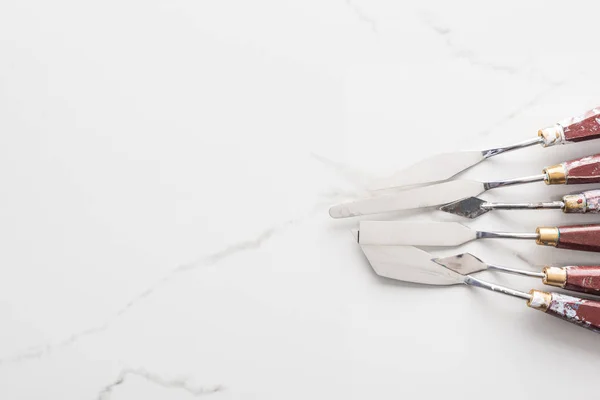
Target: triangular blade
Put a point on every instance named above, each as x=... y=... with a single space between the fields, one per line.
x=464 y=264
x=433 y=169
x=426 y=196
x=398 y=233
x=409 y=264
x=469 y=207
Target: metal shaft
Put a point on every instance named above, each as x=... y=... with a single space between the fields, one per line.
x=516 y=271
x=518 y=181
x=469 y=280
x=492 y=152
x=523 y=206
x=506 y=235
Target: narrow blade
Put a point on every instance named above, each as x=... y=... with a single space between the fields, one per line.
x=392 y=233
x=469 y=207
x=409 y=264
x=426 y=196
x=433 y=169
x=464 y=264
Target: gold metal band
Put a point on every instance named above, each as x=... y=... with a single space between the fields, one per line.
x=547 y=236
x=539 y=300
x=555 y=276
x=574 y=203
x=555 y=175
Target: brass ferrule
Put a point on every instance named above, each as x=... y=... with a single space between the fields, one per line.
x=555 y=175
x=555 y=276
x=539 y=300
x=547 y=236
x=574 y=203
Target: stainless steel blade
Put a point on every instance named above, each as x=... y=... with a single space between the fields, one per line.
x=427 y=196
x=473 y=207
x=391 y=233
x=467 y=263
x=446 y=165
x=469 y=207
x=464 y=264
x=409 y=264
x=437 y=168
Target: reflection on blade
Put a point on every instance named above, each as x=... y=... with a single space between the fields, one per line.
x=392 y=233
x=469 y=207
x=409 y=264
x=434 y=169
x=426 y=196
x=465 y=263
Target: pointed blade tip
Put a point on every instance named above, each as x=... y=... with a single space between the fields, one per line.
x=469 y=207
x=464 y=264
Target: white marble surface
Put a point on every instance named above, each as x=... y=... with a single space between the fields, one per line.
x=166 y=169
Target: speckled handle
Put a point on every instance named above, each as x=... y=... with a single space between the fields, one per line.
x=583 y=127
x=579 y=237
x=574 y=129
x=580 y=203
x=585 y=279
x=583 y=170
x=592 y=201
x=585 y=313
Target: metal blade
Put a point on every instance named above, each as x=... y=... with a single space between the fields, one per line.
x=409 y=264
x=393 y=233
x=469 y=207
x=464 y=264
x=433 y=169
x=426 y=196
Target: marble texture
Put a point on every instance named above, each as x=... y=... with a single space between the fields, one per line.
x=166 y=171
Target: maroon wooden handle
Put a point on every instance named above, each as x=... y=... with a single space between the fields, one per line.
x=584 y=279
x=583 y=170
x=592 y=201
x=585 y=313
x=583 y=127
x=579 y=237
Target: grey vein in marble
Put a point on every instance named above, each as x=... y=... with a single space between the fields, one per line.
x=461 y=53
x=469 y=56
x=521 y=109
x=355 y=176
x=36 y=352
x=173 y=383
x=360 y=180
x=361 y=15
